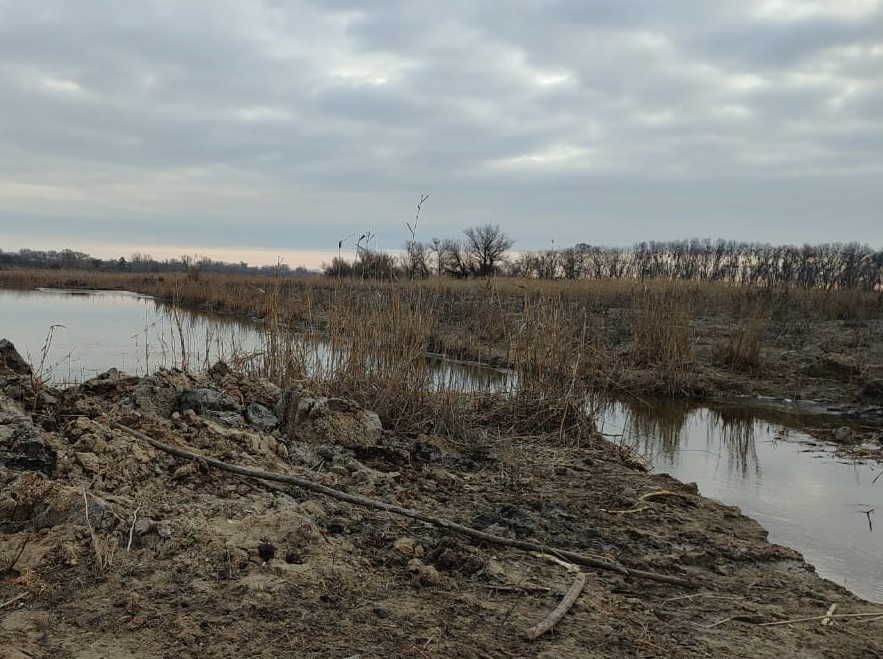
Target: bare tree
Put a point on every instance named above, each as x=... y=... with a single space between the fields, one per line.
x=487 y=246
x=415 y=259
x=454 y=261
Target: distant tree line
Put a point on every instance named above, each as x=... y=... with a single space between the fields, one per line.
x=828 y=266
x=484 y=251
x=67 y=259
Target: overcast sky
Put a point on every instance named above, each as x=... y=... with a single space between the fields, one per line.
x=252 y=130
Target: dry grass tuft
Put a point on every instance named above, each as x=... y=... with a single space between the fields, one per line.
x=742 y=350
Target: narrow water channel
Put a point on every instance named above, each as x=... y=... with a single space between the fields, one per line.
x=829 y=509
x=754 y=458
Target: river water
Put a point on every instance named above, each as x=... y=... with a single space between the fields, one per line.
x=756 y=458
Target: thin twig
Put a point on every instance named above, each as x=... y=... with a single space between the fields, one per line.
x=559 y=612
x=517 y=588
x=822 y=617
x=573 y=557
x=662 y=493
x=570 y=567
x=695 y=595
x=132 y=528
x=15 y=599
x=720 y=622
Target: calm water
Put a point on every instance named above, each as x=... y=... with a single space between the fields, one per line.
x=756 y=459
x=801 y=494
x=88 y=332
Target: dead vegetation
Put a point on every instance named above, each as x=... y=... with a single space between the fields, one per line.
x=642 y=338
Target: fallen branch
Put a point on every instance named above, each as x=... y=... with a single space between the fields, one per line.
x=560 y=611
x=573 y=557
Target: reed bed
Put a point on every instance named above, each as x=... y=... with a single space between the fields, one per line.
x=369 y=340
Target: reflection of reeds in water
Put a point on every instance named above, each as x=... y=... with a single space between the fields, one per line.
x=180 y=338
x=654 y=427
x=659 y=429
x=734 y=430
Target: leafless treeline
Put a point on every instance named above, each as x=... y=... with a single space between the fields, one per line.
x=829 y=266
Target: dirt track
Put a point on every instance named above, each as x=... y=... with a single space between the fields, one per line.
x=176 y=559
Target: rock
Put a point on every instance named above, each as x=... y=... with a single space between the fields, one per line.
x=110 y=382
x=872 y=391
x=260 y=417
x=89 y=462
x=266 y=551
x=22 y=447
x=11 y=362
x=143 y=526
x=843 y=434
x=203 y=399
x=427 y=574
x=47 y=400
x=156 y=395
x=408 y=547
x=299 y=453
x=329 y=420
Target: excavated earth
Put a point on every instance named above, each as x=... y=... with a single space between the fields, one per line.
x=111 y=547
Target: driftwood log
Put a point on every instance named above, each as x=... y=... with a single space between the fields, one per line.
x=475 y=534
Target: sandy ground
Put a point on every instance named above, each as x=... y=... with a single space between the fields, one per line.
x=111 y=547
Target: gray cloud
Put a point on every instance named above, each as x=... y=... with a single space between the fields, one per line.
x=290 y=124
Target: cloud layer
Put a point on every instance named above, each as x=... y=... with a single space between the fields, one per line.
x=287 y=125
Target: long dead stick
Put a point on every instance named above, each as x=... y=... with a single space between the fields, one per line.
x=573 y=557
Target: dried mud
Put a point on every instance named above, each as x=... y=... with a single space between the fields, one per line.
x=110 y=547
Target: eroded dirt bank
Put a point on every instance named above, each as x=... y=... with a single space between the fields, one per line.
x=113 y=548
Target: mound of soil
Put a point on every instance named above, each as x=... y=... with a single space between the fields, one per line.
x=111 y=547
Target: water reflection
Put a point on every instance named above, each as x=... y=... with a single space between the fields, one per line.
x=734 y=429
x=659 y=429
x=801 y=493
x=86 y=332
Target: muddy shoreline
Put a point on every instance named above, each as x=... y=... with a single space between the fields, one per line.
x=112 y=548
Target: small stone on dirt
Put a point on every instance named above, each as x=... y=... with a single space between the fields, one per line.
x=266 y=551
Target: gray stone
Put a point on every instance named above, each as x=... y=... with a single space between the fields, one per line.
x=260 y=417
x=11 y=362
x=155 y=395
x=873 y=391
x=22 y=447
x=329 y=421
x=203 y=399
